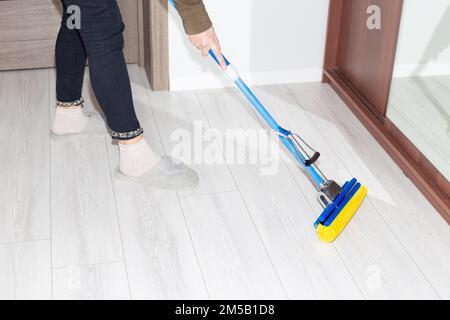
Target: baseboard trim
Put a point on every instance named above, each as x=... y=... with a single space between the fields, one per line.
x=213 y=80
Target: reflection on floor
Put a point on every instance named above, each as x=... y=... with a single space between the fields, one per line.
x=69 y=230
x=420 y=108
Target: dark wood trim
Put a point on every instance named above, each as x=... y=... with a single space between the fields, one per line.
x=365 y=56
x=155 y=47
x=341 y=53
x=414 y=164
x=364 y=101
x=437 y=178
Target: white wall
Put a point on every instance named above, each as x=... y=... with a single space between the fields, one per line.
x=268 y=41
x=424 y=41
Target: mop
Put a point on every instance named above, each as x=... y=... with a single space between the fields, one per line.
x=339 y=203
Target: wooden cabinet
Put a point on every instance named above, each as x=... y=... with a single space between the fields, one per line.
x=28 y=30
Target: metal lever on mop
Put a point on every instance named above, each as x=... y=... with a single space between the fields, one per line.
x=292 y=141
x=339 y=203
x=298 y=142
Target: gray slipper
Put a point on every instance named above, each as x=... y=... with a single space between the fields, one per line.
x=167 y=174
x=95 y=127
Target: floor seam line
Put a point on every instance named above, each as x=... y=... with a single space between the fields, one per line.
x=117 y=217
x=248 y=211
x=177 y=193
x=194 y=248
x=50 y=179
x=82 y=265
x=406 y=251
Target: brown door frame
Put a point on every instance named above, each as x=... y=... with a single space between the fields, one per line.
x=154 y=42
x=414 y=164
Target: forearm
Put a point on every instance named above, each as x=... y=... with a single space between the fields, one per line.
x=194 y=16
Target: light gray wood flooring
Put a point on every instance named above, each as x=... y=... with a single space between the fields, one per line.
x=69 y=230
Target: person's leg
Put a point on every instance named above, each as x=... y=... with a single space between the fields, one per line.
x=71 y=59
x=102 y=36
x=70 y=64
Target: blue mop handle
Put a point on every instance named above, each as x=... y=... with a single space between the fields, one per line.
x=259 y=107
x=233 y=74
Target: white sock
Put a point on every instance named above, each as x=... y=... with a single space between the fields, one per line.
x=137 y=159
x=69 y=120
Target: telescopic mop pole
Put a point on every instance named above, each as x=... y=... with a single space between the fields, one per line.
x=284 y=135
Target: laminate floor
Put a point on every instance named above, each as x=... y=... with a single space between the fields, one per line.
x=69 y=230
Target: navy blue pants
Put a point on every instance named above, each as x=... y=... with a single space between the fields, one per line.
x=99 y=40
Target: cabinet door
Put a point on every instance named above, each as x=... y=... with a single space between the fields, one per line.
x=28 y=30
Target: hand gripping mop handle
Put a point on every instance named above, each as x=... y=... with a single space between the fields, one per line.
x=282 y=133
